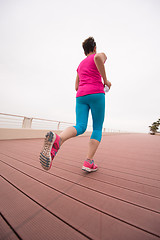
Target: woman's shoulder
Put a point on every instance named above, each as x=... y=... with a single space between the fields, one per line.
x=101 y=56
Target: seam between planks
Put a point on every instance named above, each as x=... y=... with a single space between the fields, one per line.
x=18 y=236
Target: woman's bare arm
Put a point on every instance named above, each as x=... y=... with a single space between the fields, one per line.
x=77 y=82
x=99 y=60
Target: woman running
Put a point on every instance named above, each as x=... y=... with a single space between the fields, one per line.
x=90 y=96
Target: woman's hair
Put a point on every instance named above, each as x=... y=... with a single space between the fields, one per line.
x=88 y=45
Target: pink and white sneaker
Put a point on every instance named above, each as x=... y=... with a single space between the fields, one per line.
x=89 y=166
x=50 y=149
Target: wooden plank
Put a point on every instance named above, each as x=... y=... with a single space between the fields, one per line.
x=87 y=201
x=133 y=167
x=105 y=173
x=70 y=170
x=29 y=219
x=121 y=174
x=38 y=227
x=125 y=195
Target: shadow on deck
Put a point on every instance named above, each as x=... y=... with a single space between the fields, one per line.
x=119 y=201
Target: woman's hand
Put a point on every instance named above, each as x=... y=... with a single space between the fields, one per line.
x=108 y=84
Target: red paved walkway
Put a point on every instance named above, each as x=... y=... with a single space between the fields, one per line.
x=121 y=201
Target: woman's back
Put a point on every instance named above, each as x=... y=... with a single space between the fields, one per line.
x=90 y=81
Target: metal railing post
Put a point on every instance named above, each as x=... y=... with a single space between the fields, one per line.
x=58 y=126
x=27 y=122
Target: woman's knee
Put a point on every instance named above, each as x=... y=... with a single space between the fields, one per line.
x=80 y=129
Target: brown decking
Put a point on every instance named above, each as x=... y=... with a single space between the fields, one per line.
x=119 y=201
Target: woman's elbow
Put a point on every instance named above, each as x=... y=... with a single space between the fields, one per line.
x=105 y=57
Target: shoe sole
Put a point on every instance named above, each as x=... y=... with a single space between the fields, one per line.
x=45 y=156
x=89 y=169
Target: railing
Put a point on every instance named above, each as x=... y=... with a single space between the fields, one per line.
x=17 y=121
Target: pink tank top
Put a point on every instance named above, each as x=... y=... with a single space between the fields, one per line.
x=90 y=80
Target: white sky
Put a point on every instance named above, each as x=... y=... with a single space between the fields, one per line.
x=40 y=49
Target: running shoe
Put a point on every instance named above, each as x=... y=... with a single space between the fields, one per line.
x=89 y=166
x=50 y=149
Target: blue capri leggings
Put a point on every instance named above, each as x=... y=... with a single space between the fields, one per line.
x=95 y=102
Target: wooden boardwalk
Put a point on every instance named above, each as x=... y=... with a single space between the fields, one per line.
x=121 y=201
